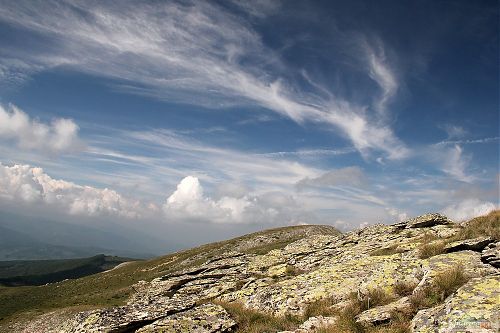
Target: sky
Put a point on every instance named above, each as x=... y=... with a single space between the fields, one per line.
x=204 y=119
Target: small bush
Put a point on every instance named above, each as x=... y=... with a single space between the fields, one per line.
x=431 y=249
x=404 y=287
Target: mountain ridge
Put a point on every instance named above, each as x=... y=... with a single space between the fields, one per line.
x=295 y=279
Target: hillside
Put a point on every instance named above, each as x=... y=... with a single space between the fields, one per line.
x=39 y=272
x=422 y=275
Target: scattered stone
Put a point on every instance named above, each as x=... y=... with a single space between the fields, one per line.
x=312 y=324
x=382 y=314
x=476 y=244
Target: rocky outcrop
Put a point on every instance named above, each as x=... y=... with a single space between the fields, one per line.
x=283 y=276
x=424 y=221
x=476 y=244
x=475 y=307
x=491 y=255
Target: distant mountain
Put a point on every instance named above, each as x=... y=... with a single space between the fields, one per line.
x=24 y=238
x=39 y=272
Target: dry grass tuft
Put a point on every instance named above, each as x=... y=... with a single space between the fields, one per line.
x=321 y=307
x=404 y=287
x=387 y=251
x=487 y=225
x=431 y=249
x=252 y=321
x=443 y=285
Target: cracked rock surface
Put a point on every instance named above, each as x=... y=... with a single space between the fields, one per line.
x=310 y=264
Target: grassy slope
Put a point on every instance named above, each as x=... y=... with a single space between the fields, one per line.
x=114 y=287
x=39 y=272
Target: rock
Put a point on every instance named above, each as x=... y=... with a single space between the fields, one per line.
x=491 y=255
x=312 y=266
x=476 y=244
x=207 y=318
x=312 y=324
x=382 y=314
x=475 y=307
x=425 y=221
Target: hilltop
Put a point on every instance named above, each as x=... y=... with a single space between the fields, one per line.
x=426 y=274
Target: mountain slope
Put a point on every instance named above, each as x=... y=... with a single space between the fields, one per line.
x=398 y=278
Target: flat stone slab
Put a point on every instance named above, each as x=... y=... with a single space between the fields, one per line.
x=206 y=318
x=382 y=314
x=475 y=244
x=425 y=221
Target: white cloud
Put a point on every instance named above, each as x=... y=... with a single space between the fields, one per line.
x=401 y=216
x=188 y=203
x=455 y=163
x=60 y=136
x=171 y=50
x=454 y=131
x=468 y=209
x=350 y=176
x=381 y=73
x=31 y=185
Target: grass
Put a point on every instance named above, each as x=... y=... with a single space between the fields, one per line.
x=252 y=321
x=39 y=272
x=404 y=287
x=115 y=287
x=488 y=225
x=386 y=251
x=291 y=270
x=482 y=226
x=431 y=249
x=443 y=285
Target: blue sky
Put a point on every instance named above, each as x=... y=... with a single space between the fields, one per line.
x=248 y=114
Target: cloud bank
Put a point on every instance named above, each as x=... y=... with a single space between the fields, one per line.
x=32 y=185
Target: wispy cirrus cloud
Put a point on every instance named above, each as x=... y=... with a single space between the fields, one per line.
x=170 y=50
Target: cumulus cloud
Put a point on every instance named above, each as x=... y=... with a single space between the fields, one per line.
x=60 y=136
x=32 y=184
x=350 y=176
x=468 y=209
x=189 y=203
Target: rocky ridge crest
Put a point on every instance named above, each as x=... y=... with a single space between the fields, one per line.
x=316 y=264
